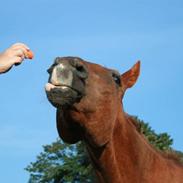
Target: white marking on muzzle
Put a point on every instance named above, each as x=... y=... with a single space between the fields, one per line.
x=58 y=78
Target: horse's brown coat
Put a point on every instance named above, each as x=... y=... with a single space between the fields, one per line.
x=119 y=153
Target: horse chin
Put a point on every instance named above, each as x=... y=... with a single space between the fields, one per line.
x=63 y=96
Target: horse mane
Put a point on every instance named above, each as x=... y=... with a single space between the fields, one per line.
x=169 y=154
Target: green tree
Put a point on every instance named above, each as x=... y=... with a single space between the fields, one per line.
x=61 y=163
x=64 y=163
x=161 y=141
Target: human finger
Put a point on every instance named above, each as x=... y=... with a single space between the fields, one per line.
x=20 y=45
x=27 y=53
x=18 y=60
x=20 y=53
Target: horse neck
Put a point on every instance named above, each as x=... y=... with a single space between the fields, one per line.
x=124 y=157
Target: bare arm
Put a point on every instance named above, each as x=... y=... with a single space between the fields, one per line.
x=14 y=55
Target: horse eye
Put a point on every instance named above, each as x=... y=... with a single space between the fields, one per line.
x=116 y=78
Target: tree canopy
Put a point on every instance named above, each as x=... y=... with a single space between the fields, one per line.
x=63 y=163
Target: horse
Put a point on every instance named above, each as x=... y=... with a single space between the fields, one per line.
x=88 y=98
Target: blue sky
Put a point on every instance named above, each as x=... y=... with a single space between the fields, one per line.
x=112 y=33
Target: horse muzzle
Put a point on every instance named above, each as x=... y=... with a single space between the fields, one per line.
x=66 y=84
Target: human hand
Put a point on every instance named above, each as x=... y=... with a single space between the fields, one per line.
x=14 y=55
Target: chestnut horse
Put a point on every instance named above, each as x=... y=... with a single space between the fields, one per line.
x=88 y=98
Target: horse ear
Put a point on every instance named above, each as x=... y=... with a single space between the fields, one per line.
x=130 y=77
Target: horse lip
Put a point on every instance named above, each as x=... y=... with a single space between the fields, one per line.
x=49 y=86
x=62 y=95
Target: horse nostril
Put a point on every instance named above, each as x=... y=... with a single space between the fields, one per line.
x=81 y=70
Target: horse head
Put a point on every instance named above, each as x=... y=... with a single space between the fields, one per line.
x=88 y=98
